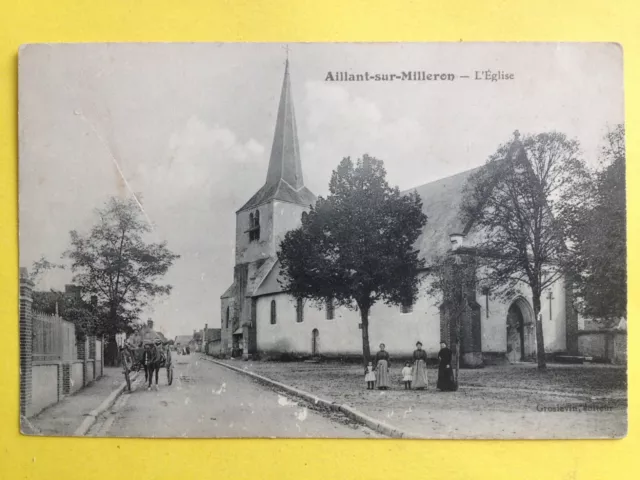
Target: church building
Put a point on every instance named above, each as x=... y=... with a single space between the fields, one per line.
x=258 y=319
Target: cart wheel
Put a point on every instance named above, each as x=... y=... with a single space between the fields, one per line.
x=169 y=374
x=128 y=379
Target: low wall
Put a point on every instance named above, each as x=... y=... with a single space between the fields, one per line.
x=44 y=384
x=608 y=345
x=77 y=376
x=90 y=369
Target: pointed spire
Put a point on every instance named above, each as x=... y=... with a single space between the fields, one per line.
x=284 y=163
x=284 y=177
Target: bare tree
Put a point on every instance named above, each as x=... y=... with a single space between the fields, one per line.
x=514 y=201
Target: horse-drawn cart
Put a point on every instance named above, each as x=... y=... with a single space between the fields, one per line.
x=148 y=356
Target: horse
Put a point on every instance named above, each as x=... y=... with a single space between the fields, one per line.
x=153 y=359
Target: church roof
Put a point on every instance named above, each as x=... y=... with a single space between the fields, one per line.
x=254 y=281
x=441 y=204
x=284 y=177
x=228 y=293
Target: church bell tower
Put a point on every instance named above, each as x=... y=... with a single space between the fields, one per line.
x=263 y=221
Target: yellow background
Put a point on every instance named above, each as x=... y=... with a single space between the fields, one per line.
x=25 y=21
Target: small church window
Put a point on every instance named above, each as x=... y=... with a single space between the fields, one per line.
x=254 y=226
x=273 y=312
x=330 y=308
x=299 y=310
x=227 y=317
x=485 y=292
x=407 y=307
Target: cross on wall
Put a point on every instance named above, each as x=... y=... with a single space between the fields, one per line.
x=550 y=297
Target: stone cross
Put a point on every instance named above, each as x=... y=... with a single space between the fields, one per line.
x=550 y=298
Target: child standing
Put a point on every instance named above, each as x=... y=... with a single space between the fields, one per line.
x=370 y=376
x=406 y=375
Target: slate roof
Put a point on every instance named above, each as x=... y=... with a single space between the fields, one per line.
x=229 y=292
x=441 y=204
x=213 y=334
x=183 y=339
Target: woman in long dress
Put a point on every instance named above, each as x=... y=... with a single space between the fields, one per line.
x=445 y=372
x=382 y=368
x=419 y=377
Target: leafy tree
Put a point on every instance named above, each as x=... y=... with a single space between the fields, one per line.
x=596 y=228
x=356 y=246
x=42 y=266
x=115 y=264
x=514 y=201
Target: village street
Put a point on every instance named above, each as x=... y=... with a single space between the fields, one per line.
x=207 y=400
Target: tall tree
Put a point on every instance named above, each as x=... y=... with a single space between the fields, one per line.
x=115 y=263
x=514 y=200
x=356 y=246
x=596 y=228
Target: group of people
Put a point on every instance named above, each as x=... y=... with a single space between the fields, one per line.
x=377 y=372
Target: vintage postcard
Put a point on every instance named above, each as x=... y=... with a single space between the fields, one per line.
x=323 y=240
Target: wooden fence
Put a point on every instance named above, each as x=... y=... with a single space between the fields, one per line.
x=54 y=339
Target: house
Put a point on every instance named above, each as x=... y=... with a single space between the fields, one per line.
x=259 y=319
x=182 y=341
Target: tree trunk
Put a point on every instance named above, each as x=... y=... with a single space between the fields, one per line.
x=366 y=350
x=111 y=354
x=542 y=362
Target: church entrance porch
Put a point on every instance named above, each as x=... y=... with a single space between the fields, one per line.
x=520 y=331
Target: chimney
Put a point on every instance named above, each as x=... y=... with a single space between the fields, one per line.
x=457 y=241
x=150 y=324
x=94 y=301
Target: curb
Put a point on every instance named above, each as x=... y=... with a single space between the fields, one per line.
x=92 y=416
x=349 y=411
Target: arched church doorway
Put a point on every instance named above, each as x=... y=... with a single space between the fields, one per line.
x=520 y=331
x=315 y=341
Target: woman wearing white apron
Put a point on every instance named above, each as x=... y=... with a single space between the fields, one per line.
x=419 y=377
x=382 y=368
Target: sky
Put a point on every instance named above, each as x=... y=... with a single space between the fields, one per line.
x=189 y=127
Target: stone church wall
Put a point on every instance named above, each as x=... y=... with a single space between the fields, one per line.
x=399 y=331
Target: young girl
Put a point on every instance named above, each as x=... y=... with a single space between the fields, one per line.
x=370 y=376
x=406 y=375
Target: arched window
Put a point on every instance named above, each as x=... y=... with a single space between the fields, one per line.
x=330 y=307
x=228 y=317
x=407 y=307
x=273 y=312
x=257 y=225
x=299 y=310
x=254 y=226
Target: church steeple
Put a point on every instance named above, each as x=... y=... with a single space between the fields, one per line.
x=284 y=177
x=284 y=163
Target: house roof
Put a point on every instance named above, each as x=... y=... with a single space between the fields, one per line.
x=284 y=177
x=213 y=334
x=183 y=339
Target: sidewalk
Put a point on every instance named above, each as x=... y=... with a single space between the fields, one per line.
x=63 y=418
